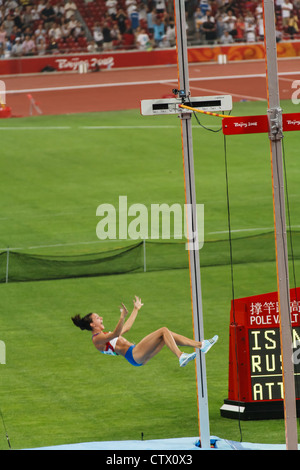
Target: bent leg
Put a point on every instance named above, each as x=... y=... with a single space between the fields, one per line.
x=184 y=341
x=153 y=343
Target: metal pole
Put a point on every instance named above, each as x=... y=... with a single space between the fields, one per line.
x=275 y=134
x=194 y=260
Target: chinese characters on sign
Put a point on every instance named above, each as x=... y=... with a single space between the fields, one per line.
x=267 y=313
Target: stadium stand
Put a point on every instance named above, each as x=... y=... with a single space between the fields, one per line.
x=39 y=27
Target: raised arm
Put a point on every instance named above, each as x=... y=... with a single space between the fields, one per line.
x=103 y=338
x=137 y=305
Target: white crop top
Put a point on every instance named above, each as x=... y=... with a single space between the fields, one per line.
x=110 y=347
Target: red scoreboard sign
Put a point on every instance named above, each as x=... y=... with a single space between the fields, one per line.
x=258 y=124
x=255 y=386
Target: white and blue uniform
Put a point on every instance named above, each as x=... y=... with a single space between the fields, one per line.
x=110 y=346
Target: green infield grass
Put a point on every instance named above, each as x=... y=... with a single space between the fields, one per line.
x=55 y=171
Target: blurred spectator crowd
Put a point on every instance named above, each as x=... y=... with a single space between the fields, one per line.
x=39 y=27
x=229 y=21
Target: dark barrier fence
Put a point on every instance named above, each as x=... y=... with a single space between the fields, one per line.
x=145 y=255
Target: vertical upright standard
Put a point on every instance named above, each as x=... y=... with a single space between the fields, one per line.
x=275 y=134
x=194 y=260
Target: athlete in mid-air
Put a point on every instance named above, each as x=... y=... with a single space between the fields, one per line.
x=113 y=343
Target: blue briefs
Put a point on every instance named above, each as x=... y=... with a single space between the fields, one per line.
x=129 y=356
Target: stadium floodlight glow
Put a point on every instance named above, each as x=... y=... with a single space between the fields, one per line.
x=171 y=105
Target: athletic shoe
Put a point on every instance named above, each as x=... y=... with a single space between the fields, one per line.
x=185 y=358
x=208 y=343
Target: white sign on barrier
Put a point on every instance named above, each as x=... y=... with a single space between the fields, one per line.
x=2 y=93
x=2 y=353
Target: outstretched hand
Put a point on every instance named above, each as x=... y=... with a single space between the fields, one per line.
x=137 y=303
x=123 y=310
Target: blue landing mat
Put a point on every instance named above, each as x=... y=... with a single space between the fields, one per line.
x=184 y=443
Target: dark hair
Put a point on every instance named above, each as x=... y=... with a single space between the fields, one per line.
x=83 y=323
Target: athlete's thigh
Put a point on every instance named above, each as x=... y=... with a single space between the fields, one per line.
x=149 y=346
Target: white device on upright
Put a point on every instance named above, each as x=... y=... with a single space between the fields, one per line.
x=171 y=105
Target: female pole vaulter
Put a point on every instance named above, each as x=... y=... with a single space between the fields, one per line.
x=113 y=343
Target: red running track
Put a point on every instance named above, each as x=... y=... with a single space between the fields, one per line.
x=64 y=93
